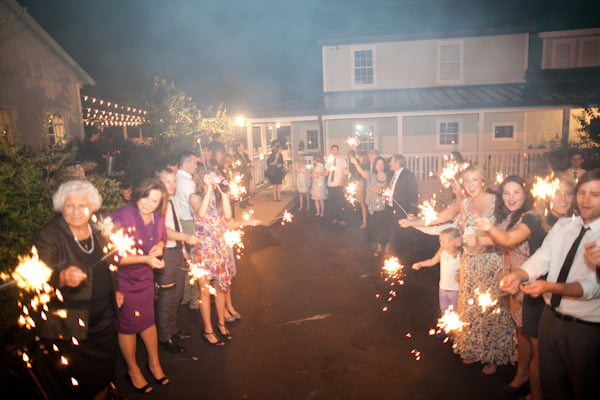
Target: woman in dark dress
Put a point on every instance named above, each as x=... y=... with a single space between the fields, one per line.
x=276 y=171
x=85 y=337
x=144 y=219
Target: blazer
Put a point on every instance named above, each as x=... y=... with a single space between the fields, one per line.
x=405 y=194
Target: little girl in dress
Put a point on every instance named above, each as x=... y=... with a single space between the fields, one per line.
x=303 y=181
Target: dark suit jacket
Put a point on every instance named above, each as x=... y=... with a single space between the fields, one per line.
x=242 y=167
x=405 y=194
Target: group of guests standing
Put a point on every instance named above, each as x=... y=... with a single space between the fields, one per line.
x=520 y=256
x=175 y=218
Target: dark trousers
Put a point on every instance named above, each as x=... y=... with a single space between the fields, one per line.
x=400 y=238
x=336 y=202
x=569 y=358
x=171 y=282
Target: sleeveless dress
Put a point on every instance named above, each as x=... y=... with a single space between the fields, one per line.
x=489 y=336
x=302 y=179
x=213 y=252
x=318 y=190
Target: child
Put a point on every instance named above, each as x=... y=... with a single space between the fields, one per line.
x=318 y=190
x=302 y=182
x=449 y=258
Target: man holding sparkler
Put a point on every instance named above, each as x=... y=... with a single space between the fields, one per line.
x=401 y=203
x=338 y=170
x=171 y=279
x=569 y=332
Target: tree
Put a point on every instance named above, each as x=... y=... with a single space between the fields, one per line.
x=589 y=130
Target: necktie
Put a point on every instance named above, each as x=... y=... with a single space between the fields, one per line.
x=575 y=175
x=175 y=220
x=332 y=176
x=566 y=267
x=394 y=179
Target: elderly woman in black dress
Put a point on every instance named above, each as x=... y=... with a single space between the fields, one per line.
x=85 y=336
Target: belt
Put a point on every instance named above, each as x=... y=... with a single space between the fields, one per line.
x=574 y=320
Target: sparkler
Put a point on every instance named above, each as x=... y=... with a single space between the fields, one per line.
x=236 y=189
x=31 y=274
x=450 y=321
x=427 y=211
x=350 y=192
x=448 y=174
x=352 y=141
x=544 y=189
x=484 y=300
x=287 y=217
x=500 y=176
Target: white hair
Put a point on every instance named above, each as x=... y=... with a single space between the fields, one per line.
x=81 y=187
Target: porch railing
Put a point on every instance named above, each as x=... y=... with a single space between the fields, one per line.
x=525 y=164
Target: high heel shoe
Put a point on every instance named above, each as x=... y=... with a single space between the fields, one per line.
x=226 y=334
x=161 y=381
x=147 y=389
x=218 y=343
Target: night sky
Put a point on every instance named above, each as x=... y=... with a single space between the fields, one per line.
x=257 y=55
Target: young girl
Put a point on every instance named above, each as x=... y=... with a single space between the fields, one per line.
x=302 y=182
x=319 y=188
x=449 y=258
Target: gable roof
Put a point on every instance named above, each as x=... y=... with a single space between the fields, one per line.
x=43 y=36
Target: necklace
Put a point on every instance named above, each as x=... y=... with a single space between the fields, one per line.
x=79 y=243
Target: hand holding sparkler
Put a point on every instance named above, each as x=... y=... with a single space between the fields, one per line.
x=71 y=276
x=510 y=283
x=539 y=287
x=483 y=223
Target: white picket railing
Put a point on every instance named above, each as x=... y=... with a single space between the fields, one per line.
x=525 y=164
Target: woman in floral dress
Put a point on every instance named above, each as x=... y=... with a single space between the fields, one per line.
x=213 y=258
x=489 y=335
x=318 y=190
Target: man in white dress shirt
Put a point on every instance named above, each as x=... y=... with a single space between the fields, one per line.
x=569 y=331
x=188 y=163
x=338 y=170
x=171 y=279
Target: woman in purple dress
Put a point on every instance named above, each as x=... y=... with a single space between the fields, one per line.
x=143 y=219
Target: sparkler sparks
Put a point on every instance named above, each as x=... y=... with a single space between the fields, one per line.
x=484 y=300
x=352 y=141
x=450 y=321
x=233 y=237
x=427 y=211
x=236 y=189
x=392 y=269
x=350 y=192
x=197 y=271
x=500 y=176
x=121 y=244
x=32 y=274
x=287 y=217
x=448 y=174
x=544 y=189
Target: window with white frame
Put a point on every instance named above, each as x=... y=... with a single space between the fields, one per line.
x=6 y=133
x=590 y=52
x=506 y=131
x=56 y=129
x=365 y=136
x=312 y=140
x=563 y=53
x=449 y=62
x=448 y=132
x=364 y=68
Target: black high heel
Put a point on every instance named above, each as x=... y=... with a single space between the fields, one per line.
x=226 y=334
x=218 y=343
x=147 y=389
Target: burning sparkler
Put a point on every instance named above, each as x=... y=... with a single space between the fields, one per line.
x=500 y=176
x=450 y=321
x=32 y=274
x=350 y=192
x=236 y=189
x=393 y=270
x=287 y=217
x=484 y=300
x=427 y=211
x=233 y=237
x=544 y=189
x=352 y=141
x=448 y=174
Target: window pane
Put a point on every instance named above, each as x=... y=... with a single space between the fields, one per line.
x=501 y=132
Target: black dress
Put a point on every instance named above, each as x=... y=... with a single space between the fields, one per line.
x=275 y=173
x=91 y=356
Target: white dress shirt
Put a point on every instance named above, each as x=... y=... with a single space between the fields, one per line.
x=550 y=257
x=393 y=187
x=170 y=222
x=338 y=165
x=185 y=187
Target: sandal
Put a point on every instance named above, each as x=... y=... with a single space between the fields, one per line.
x=224 y=331
x=363 y=225
x=147 y=389
x=218 y=342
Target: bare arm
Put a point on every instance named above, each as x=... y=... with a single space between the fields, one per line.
x=360 y=169
x=510 y=238
x=430 y=262
x=539 y=287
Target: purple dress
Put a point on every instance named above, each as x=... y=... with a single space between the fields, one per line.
x=136 y=281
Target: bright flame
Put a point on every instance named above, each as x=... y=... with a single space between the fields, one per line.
x=233 y=237
x=121 y=243
x=287 y=217
x=392 y=269
x=544 y=189
x=32 y=274
x=427 y=211
x=500 y=176
x=352 y=141
x=448 y=174
x=450 y=321
x=484 y=300
x=350 y=192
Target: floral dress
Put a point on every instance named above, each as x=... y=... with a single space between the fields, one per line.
x=318 y=191
x=213 y=253
x=302 y=179
x=489 y=336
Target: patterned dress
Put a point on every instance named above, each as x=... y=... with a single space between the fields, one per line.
x=213 y=253
x=302 y=179
x=318 y=190
x=489 y=336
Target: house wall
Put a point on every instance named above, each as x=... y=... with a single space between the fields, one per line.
x=36 y=81
x=413 y=64
x=338 y=131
